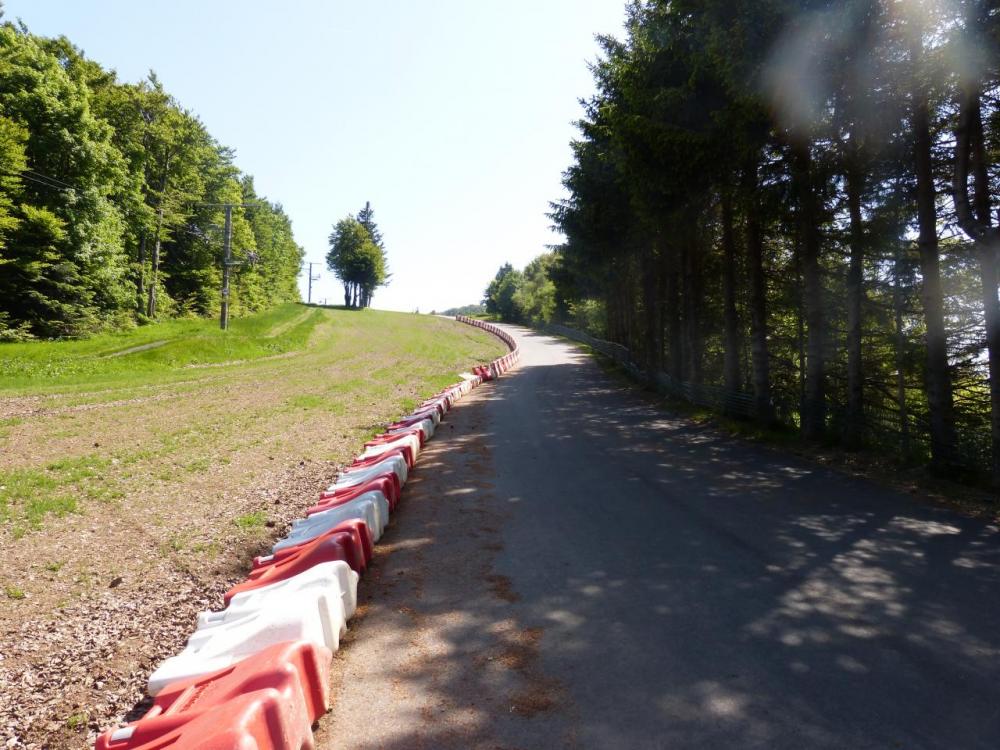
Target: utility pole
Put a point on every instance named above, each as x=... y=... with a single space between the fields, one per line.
x=227 y=263
x=312 y=278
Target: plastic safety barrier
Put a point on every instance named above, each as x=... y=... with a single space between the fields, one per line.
x=306 y=607
x=438 y=403
x=390 y=462
x=431 y=412
x=358 y=529
x=372 y=508
x=341 y=545
x=426 y=426
x=269 y=701
x=386 y=437
x=347 y=582
x=378 y=447
x=388 y=485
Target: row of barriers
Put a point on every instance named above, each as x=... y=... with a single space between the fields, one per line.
x=255 y=675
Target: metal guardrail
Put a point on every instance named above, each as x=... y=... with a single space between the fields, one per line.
x=739 y=403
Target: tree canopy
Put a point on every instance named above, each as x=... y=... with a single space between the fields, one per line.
x=357 y=257
x=792 y=199
x=108 y=202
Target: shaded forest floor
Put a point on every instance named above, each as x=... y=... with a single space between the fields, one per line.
x=140 y=473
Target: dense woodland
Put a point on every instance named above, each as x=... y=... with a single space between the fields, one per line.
x=796 y=200
x=110 y=198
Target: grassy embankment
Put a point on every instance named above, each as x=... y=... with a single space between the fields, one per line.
x=85 y=424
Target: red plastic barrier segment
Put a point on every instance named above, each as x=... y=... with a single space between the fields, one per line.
x=339 y=546
x=356 y=543
x=358 y=529
x=411 y=420
x=440 y=405
x=362 y=461
x=268 y=701
x=421 y=412
x=386 y=437
x=387 y=484
x=405 y=451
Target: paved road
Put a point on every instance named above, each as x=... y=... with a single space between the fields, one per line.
x=593 y=573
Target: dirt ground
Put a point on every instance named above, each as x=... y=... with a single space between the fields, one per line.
x=177 y=487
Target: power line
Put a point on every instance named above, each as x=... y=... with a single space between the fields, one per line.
x=33 y=173
x=40 y=179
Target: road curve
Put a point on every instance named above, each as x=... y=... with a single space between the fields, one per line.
x=596 y=574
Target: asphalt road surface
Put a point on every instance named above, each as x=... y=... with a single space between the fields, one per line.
x=572 y=567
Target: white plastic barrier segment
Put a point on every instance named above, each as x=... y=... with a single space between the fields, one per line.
x=440 y=401
x=333 y=570
x=426 y=426
x=309 y=606
x=430 y=413
x=371 y=507
x=377 y=450
x=353 y=476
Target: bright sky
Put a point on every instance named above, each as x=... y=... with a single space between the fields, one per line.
x=453 y=117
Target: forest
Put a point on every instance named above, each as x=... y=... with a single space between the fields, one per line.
x=111 y=202
x=793 y=201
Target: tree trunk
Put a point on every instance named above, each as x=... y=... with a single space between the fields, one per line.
x=939 y=389
x=759 y=355
x=692 y=313
x=899 y=341
x=650 y=308
x=731 y=323
x=155 y=265
x=853 y=433
x=800 y=326
x=674 y=328
x=140 y=282
x=814 y=402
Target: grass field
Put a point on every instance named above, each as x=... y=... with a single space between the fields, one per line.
x=139 y=472
x=85 y=423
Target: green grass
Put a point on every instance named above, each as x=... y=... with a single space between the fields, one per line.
x=28 y=495
x=13 y=592
x=94 y=429
x=306 y=401
x=77 y=720
x=188 y=343
x=251 y=521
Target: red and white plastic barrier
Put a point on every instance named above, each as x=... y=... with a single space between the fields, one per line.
x=371 y=507
x=268 y=701
x=256 y=674
x=308 y=607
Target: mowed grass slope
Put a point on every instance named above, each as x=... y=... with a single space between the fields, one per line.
x=140 y=472
x=87 y=426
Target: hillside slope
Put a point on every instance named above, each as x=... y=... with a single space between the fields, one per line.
x=140 y=472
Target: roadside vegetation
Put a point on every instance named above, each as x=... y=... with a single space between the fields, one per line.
x=111 y=203
x=793 y=203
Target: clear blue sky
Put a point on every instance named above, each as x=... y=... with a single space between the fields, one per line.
x=453 y=117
